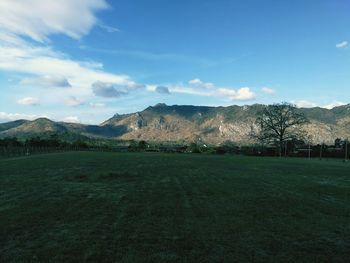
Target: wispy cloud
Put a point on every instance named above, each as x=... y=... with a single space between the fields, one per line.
x=109 y=29
x=73 y=102
x=198 y=83
x=157 y=56
x=342 y=45
x=97 y=104
x=28 y=101
x=268 y=90
x=189 y=91
x=40 y=19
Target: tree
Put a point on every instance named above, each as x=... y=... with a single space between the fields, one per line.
x=142 y=145
x=279 y=123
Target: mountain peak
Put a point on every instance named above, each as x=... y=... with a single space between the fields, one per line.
x=160 y=105
x=43 y=120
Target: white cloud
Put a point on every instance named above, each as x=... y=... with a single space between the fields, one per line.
x=334 y=104
x=46 y=67
x=47 y=81
x=45 y=62
x=53 y=69
x=343 y=44
x=304 y=104
x=73 y=102
x=28 y=101
x=240 y=94
x=196 y=88
x=267 y=90
x=310 y=104
x=198 y=83
x=195 y=82
x=71 y=119
x=38 y=19
x=4 y=116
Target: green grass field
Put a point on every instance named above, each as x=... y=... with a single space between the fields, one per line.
x=138 y=207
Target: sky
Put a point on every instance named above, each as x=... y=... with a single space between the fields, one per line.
x=86 y=60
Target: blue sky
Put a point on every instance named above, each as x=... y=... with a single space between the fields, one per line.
x=83 y=61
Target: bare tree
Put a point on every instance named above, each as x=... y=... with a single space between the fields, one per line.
x=279 y=123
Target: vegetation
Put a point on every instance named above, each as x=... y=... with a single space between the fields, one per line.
x=150 y=207
x=280 y=123
x=11 y=147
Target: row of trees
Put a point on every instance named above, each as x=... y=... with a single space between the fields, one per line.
x=13 y=147
x=297 y=148
x=37 y=142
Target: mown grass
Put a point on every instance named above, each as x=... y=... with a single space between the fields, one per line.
x=130 y=207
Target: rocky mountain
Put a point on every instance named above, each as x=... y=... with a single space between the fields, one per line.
x=187 y=123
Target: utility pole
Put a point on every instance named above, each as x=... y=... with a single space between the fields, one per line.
x=321 y=149
x=309 y=151
x=346 y=150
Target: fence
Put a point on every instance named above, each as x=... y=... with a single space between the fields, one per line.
x=16 y=151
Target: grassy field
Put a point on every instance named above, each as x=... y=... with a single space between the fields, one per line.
x=134 y=207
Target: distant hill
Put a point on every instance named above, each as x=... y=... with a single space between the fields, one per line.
x=186 y=123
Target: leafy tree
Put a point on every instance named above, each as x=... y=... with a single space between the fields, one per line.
x=142 y=145
x=279 y=123
x=193 y=148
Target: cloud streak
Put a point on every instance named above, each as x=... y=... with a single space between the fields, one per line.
x=109 y=29
x=342 y=45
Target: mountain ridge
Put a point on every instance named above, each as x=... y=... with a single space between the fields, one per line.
x=186 y=123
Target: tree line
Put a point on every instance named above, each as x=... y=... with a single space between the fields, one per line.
x=291 y=148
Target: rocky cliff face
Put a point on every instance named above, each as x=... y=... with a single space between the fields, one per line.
x=219 y=124
x=190 y=123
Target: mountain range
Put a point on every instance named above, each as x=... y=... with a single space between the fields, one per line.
x=187 y=123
